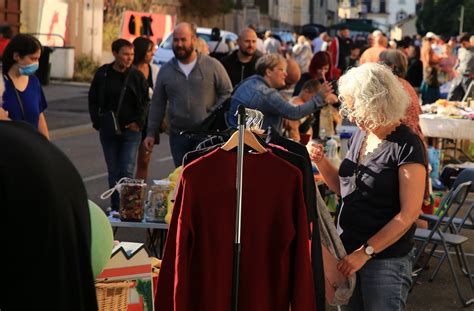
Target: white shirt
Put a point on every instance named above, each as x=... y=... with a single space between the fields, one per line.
x=187 y=68
x=272 y=45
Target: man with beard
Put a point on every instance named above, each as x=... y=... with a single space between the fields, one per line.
x=240 y=64
x=192 y=84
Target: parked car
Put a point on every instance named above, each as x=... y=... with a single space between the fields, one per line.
x=164 y=51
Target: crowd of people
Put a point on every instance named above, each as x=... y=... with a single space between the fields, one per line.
x=303 y=92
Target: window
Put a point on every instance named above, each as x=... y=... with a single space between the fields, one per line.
x=401 y=15
x=382 y=6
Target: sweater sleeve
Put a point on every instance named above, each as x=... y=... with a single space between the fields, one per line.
x=286 y=110
x=158 y=105
x=223 y=83
x=302 y=285
x=184 y=242
x=165 y=288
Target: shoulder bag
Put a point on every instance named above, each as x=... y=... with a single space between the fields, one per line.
x=109 y=124
x=20 y=103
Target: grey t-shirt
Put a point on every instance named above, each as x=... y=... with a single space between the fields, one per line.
x=370 y=191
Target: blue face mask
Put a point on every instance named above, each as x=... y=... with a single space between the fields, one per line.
x=28 y=70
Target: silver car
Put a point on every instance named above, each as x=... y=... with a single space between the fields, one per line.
x=164 y=51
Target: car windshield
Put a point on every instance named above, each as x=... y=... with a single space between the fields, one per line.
x=168 y=43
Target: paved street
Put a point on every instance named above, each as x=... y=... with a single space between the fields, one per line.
x=69 y=123
x=68 y=119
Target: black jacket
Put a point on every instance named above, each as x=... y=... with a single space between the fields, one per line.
x=136 y=100
x=237 y=70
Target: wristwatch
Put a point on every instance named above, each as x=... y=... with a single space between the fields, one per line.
x=369 y=250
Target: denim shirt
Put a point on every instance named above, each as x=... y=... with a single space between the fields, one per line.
x=255 y=93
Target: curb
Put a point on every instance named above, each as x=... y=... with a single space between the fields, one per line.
x=71 y=131
x=71 y=83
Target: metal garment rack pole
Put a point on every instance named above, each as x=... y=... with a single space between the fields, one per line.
x=237 y=245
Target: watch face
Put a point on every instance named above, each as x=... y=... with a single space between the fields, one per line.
x=369 y=250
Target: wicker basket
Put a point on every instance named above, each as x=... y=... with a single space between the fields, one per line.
x=112 y=296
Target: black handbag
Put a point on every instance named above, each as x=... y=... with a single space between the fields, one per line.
x=109 y=124
x=216 y=120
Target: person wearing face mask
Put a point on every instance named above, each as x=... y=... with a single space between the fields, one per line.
x=260 y=92
x=23 y=98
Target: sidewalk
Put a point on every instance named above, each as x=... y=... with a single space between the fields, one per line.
x=67 y=113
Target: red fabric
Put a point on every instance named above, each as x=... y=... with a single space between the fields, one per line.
x=333 y=50
x=275 y=269
x=3 y=44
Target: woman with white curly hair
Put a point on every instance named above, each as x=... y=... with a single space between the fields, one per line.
x=381 y=182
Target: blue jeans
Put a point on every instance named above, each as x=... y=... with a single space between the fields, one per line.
x=180 y=145
x=120 y=154
x=382 y=284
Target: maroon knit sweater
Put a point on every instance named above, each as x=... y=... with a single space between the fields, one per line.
x=275 y=270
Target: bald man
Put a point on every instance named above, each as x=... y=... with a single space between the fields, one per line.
x=240 y=64
x=371 y=55
x=293 y=73
x=190 y=85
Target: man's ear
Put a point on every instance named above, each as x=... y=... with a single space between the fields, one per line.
x=16 y=56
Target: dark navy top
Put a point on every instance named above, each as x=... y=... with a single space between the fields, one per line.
x=32 y=98
x=370 y=190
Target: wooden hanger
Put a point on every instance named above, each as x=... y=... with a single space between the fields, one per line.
x=249 y=139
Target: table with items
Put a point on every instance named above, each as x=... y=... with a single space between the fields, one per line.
x=449 y=121
x=156 y=232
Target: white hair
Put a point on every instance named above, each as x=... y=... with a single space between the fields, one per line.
x=378 y=98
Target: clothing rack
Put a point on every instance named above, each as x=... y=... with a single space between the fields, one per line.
x=255 y=120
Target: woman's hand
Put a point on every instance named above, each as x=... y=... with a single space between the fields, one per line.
x=331 y=99
x=353 y=262
x=3 y=114
x=133 y=127
x=316 y=151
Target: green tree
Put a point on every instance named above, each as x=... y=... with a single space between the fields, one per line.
x=442 y=17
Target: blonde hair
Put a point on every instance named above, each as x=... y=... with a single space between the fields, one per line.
x=268 y=61
x=201 y=46
x=377 y=95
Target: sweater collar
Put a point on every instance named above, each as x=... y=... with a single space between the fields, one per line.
x=174 y=61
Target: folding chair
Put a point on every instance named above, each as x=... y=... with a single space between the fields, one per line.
x=466 y=221
x=438 y=236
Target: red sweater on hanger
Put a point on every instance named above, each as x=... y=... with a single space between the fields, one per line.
x=275 y=270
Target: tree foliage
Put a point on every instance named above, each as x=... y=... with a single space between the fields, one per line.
x=442 y=17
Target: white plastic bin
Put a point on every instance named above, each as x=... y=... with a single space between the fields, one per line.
x=62 y=63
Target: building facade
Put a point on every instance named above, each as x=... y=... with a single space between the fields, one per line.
x=83 y=23
x=292 y=14
x=384 y=13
